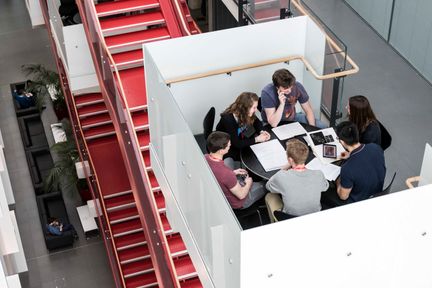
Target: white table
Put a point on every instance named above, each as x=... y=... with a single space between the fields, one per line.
x=88 y=222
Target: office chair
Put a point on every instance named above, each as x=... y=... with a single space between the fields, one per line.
x=208 y=122
x=244 y=214
x=385 y=190
x=386 y=138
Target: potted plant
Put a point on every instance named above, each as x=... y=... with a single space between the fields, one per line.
x=45 y=82
x=64 y=172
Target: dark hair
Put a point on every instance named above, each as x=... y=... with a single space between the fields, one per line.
x=283 y=78
x=52 y=219
x=217 y=140
x=297 y=150
x=240 y=108
x=348 y=132
x=21 y=92
x=361 y=113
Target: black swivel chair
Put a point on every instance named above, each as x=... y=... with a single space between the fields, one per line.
x=385 y=190
x=280 y=216
x=208 y=122
x=244 y=216
x=386 y=138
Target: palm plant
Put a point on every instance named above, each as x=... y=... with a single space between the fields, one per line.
x=64 y=171
x=45 y=82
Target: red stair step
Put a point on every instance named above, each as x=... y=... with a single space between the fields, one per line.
x=141 y=280
x=141 y=266
x=134 y=40
x=134 y=253
x=184 y=266
x=176 y=244
x=143 y=138
x=95 y=120
x=122 y=214
x=165 y=223
x=117 y=7
x=191 y=283
x=130 y=23
x=119 y=201
x=87 y=98
x=101 y=131
x=160 y=200
x=153 y=181
x=92 y=109
x=126 y=226
x=134 y=86
x=140 y=118
x=129 y=59
x=146 y=156
x=130 y=240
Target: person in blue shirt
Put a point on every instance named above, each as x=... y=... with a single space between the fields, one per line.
x=279 y=98
x=24 y=99
x=56 y=227
x=363 y=173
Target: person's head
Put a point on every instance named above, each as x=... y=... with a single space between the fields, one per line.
x=360 y=112
x=244 y=108
x=297 y=151
x=347 y=133
x=218 y=142
x=52 y=220
x=21 y=92
x=283 y=80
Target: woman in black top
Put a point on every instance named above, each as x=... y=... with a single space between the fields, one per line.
x=240 y=122
x=360 y=113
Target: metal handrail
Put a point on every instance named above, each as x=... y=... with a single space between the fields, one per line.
x=66 y=91
x=134 y=142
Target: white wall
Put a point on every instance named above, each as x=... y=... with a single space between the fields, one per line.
x=382 y=242
x=426 y=169
x=35 y=12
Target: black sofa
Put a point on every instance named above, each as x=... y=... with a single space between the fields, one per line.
x=32 y=131
x=40 y=163
x=52 y=205
x=19 y=111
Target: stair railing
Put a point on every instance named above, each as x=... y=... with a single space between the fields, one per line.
x=83 y=154
x=182 y=18
x=116 y=102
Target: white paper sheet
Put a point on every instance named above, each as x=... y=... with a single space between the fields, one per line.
x=270 y=154
x=330 y=171
x=289 y=130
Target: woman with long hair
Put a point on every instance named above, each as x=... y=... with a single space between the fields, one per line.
x=361 y=114
x=240 y=122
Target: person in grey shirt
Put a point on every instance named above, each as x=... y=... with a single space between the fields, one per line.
x=299 y=187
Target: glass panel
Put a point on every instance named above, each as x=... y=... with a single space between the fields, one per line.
x=209 y=218
x=57 y=25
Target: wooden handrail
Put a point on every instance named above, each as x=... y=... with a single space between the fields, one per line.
x=260 y=64
x=409 y=182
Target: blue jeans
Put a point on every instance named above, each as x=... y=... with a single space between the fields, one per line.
x=301 y=117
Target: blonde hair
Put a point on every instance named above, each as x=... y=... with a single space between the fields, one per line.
x=297 y=150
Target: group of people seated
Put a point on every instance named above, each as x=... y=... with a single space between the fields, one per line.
x=300 y=189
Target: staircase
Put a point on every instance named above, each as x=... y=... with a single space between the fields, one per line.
x=126 y=25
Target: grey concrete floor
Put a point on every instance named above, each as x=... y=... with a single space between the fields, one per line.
x=85 y=264
x=401 y=99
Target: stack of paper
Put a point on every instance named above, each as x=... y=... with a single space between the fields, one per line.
x=270 y=154
x=318 y=149
x=289 y=130
x=330 y=171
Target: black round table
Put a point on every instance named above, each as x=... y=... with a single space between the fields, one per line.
x=251 y=163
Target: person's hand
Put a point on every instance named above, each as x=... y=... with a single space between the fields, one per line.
x=248 y=180
x=345 y=155
x=266 y=135
x=261 y=138
x=282 y=97
x=240 y=172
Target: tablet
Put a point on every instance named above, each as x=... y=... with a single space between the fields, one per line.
x=329 y=151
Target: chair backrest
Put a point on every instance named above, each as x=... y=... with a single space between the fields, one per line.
x=280 y=216
x=259 y=104
x=209 y=122
x=385 y=190
x=386 y=138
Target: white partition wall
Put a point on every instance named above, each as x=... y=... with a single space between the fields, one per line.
x=383 y=242
x=426 y=169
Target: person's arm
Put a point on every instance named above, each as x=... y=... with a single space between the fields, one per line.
x=307 y=108
x=341 y=183
x=274 y=114
x=272 y=184
x=241 y=192
x=325 y=183
x=262 y=135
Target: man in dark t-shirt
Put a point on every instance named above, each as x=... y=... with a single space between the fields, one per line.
x=239 y=193
x=278 y=100
x=363 y=173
